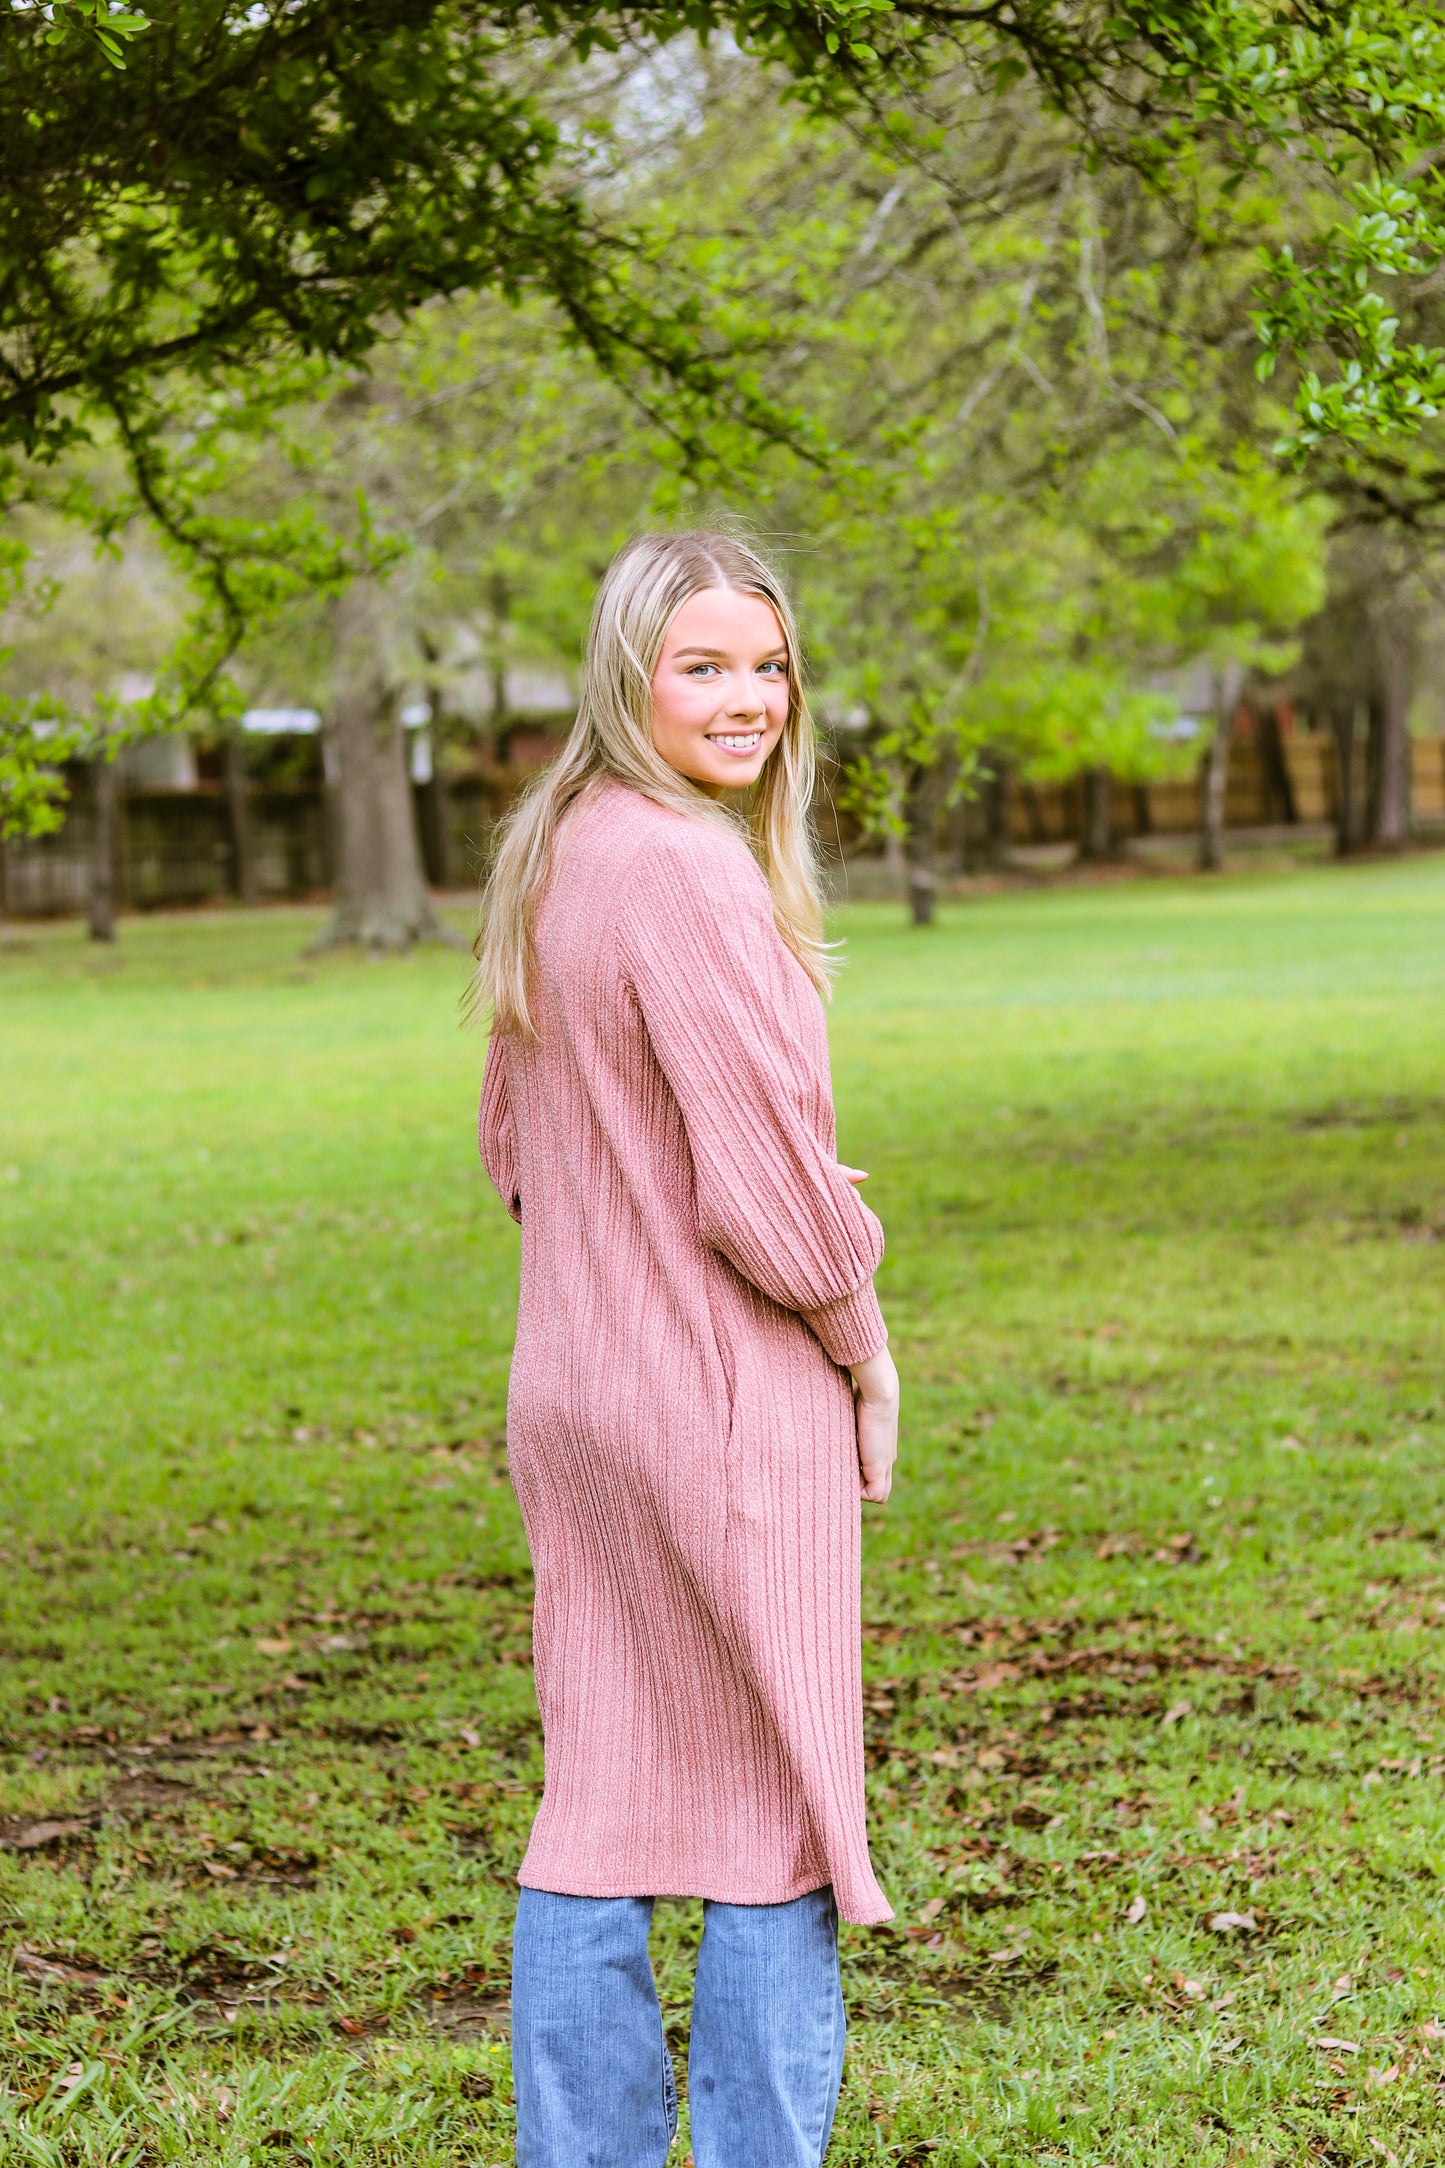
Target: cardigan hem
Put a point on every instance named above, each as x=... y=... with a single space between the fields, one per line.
x=876 y=1915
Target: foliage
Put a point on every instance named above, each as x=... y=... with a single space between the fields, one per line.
x=191 y=239
x=1066 y=489
x=497 y=470
x=268 y=189
x=1152 y=1617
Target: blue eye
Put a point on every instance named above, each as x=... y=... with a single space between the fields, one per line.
x=698 y=668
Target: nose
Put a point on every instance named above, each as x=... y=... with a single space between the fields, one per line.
x=747 y=704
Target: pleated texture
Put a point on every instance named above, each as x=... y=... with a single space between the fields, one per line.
x=696 y=1272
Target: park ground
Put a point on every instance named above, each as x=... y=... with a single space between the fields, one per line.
x=1153 y=1623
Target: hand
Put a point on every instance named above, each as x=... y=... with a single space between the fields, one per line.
x=876 y=1384
x=855 y=1175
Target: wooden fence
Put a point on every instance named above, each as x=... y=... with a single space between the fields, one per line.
x=1053 y=813
x=178 y=847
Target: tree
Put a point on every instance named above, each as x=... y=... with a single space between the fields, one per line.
x=477 y=445
x=245 y=188
x=85 y=630
x=257 y=195
x=1252 y=573
x=1072 y=446
x=1357 y=674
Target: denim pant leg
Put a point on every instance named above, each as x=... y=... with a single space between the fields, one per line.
x=766 y=2057
x=593 y=2077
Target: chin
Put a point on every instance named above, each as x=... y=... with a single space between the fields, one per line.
x=739 y=778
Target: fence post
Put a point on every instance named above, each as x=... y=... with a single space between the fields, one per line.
x=105 y=852
x=238 y=810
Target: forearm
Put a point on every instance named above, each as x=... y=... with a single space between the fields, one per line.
x=875 y=1382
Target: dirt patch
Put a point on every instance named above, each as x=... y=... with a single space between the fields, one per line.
x=261 y=1866
x=470 y=2003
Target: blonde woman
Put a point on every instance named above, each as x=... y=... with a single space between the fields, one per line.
x=701 y=1390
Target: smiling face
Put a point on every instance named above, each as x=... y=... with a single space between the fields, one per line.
x=720 y=689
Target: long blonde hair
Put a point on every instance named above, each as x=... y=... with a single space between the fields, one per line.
x=645 y=585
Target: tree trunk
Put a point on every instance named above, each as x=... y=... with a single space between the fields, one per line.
x=999 y=810
x=927 y=791
x=922 y=894
x=238 y=812
x=499 y=597
x=1279 y=787
x=895 y=858
x=433 y=804
x=955 y=835
x=1214 y=782
x=1390 y=794
x=105 y=797
x=381 y=898
x=1097 y=841
x=1347 y=820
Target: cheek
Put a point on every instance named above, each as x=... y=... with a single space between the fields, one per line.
x=682 y=704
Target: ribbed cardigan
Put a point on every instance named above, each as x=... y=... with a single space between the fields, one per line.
x=696 y=1273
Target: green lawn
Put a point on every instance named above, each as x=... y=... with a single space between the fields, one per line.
x=1155 y=1703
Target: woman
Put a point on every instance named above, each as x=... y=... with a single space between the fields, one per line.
x=684 y=1434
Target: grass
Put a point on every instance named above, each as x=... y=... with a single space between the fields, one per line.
x=1153 y=1620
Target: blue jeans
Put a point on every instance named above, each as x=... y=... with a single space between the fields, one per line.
x=594 y=2079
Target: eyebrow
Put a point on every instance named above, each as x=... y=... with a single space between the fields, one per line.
x=720 y=654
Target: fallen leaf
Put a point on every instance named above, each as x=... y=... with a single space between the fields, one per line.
x=36 y=1836
x=931 y=1910
x=469 y=1737
x=1136 y=1911
x=1376 y=2078
x=1223 y=1923
x=218 y=1870
x=352 y=2025
x=276 y=1646
x=1331 y=2044
x=1173 y=1715
x=995 y=1675
x=38 y=1967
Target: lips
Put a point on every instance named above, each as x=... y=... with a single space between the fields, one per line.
x=736 y=741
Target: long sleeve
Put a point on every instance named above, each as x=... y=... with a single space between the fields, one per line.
x=496 y=1133
x=724 y=1005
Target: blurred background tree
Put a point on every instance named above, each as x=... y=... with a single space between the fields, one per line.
x=393 y=319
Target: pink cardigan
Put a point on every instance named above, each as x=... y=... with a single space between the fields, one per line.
x=696 y=1271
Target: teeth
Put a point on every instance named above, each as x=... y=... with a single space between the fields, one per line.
x=738 y=744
